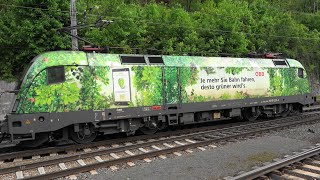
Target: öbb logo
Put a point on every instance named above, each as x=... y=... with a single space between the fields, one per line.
x=259 y=73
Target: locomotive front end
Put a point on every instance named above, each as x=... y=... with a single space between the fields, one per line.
x=6 y=136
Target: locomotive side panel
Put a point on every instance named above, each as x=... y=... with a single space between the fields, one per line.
x=67 y=91
x=106 y=83
x=125 y=85
x=36 y=95
x=219 y=83
x=206 y=79
x=99 y=90
x=216 y=84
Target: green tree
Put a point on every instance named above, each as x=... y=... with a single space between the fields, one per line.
x=29 y=27
x=175 y=27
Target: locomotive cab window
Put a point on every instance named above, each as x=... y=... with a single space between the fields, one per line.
x=55 y=75
x=300 y=73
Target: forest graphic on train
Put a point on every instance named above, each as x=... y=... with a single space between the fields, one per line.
x=63 y=82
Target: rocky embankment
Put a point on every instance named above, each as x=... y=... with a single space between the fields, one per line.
x=5 y=99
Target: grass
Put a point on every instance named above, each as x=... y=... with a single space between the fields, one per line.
x=252 y=160
x=261 y=158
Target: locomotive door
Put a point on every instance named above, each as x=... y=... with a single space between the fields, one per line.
x=171 y=86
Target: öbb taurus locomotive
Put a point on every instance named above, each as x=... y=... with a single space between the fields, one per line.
x=77 y=95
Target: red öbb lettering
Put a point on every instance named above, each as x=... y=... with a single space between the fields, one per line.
x=259 y=73
x=156 y=107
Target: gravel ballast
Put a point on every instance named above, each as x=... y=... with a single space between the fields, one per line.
x=222 y=161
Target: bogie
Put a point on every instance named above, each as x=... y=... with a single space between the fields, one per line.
x=83 y=133
x=251 y=113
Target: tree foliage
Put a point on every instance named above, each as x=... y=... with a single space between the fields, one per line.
x=28 y=28
x=200 y=27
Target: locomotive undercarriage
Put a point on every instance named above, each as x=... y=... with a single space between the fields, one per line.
x=81 y=129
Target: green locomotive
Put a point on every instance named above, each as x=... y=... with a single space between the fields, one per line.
x=77 y=95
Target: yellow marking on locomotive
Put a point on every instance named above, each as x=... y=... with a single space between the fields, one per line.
x=216 y=115
x=28 y=122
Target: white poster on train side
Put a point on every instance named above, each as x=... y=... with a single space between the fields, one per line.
x=121 y=86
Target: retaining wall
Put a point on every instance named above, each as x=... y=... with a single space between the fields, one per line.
x=6 y=99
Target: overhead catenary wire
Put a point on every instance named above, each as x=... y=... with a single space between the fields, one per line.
x=180 y=25
x=66 y=11
x=160 y=51
x=34 y=8
x=171 y=51
x=137 y=20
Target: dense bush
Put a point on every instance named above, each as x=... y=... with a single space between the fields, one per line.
x=199 y=27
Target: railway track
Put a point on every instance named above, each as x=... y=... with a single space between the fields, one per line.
x=15 y=153
x=303 y=165
x=129 y=152
x=46 y=151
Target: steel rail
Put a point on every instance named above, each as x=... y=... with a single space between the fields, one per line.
x=89 y=167
x=33 y=152
x=277 y=165
x=145 y=144
x=99 y=152
x=49 y=150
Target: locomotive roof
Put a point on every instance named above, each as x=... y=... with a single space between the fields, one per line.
x=66 y=58
x=57 y=58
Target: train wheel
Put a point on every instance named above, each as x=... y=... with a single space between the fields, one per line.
x=296 y=110
x=249 y=115
x=286 y=111
x=151 y=126
x=86 y=133
x=41 y=138
x=148 y=131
